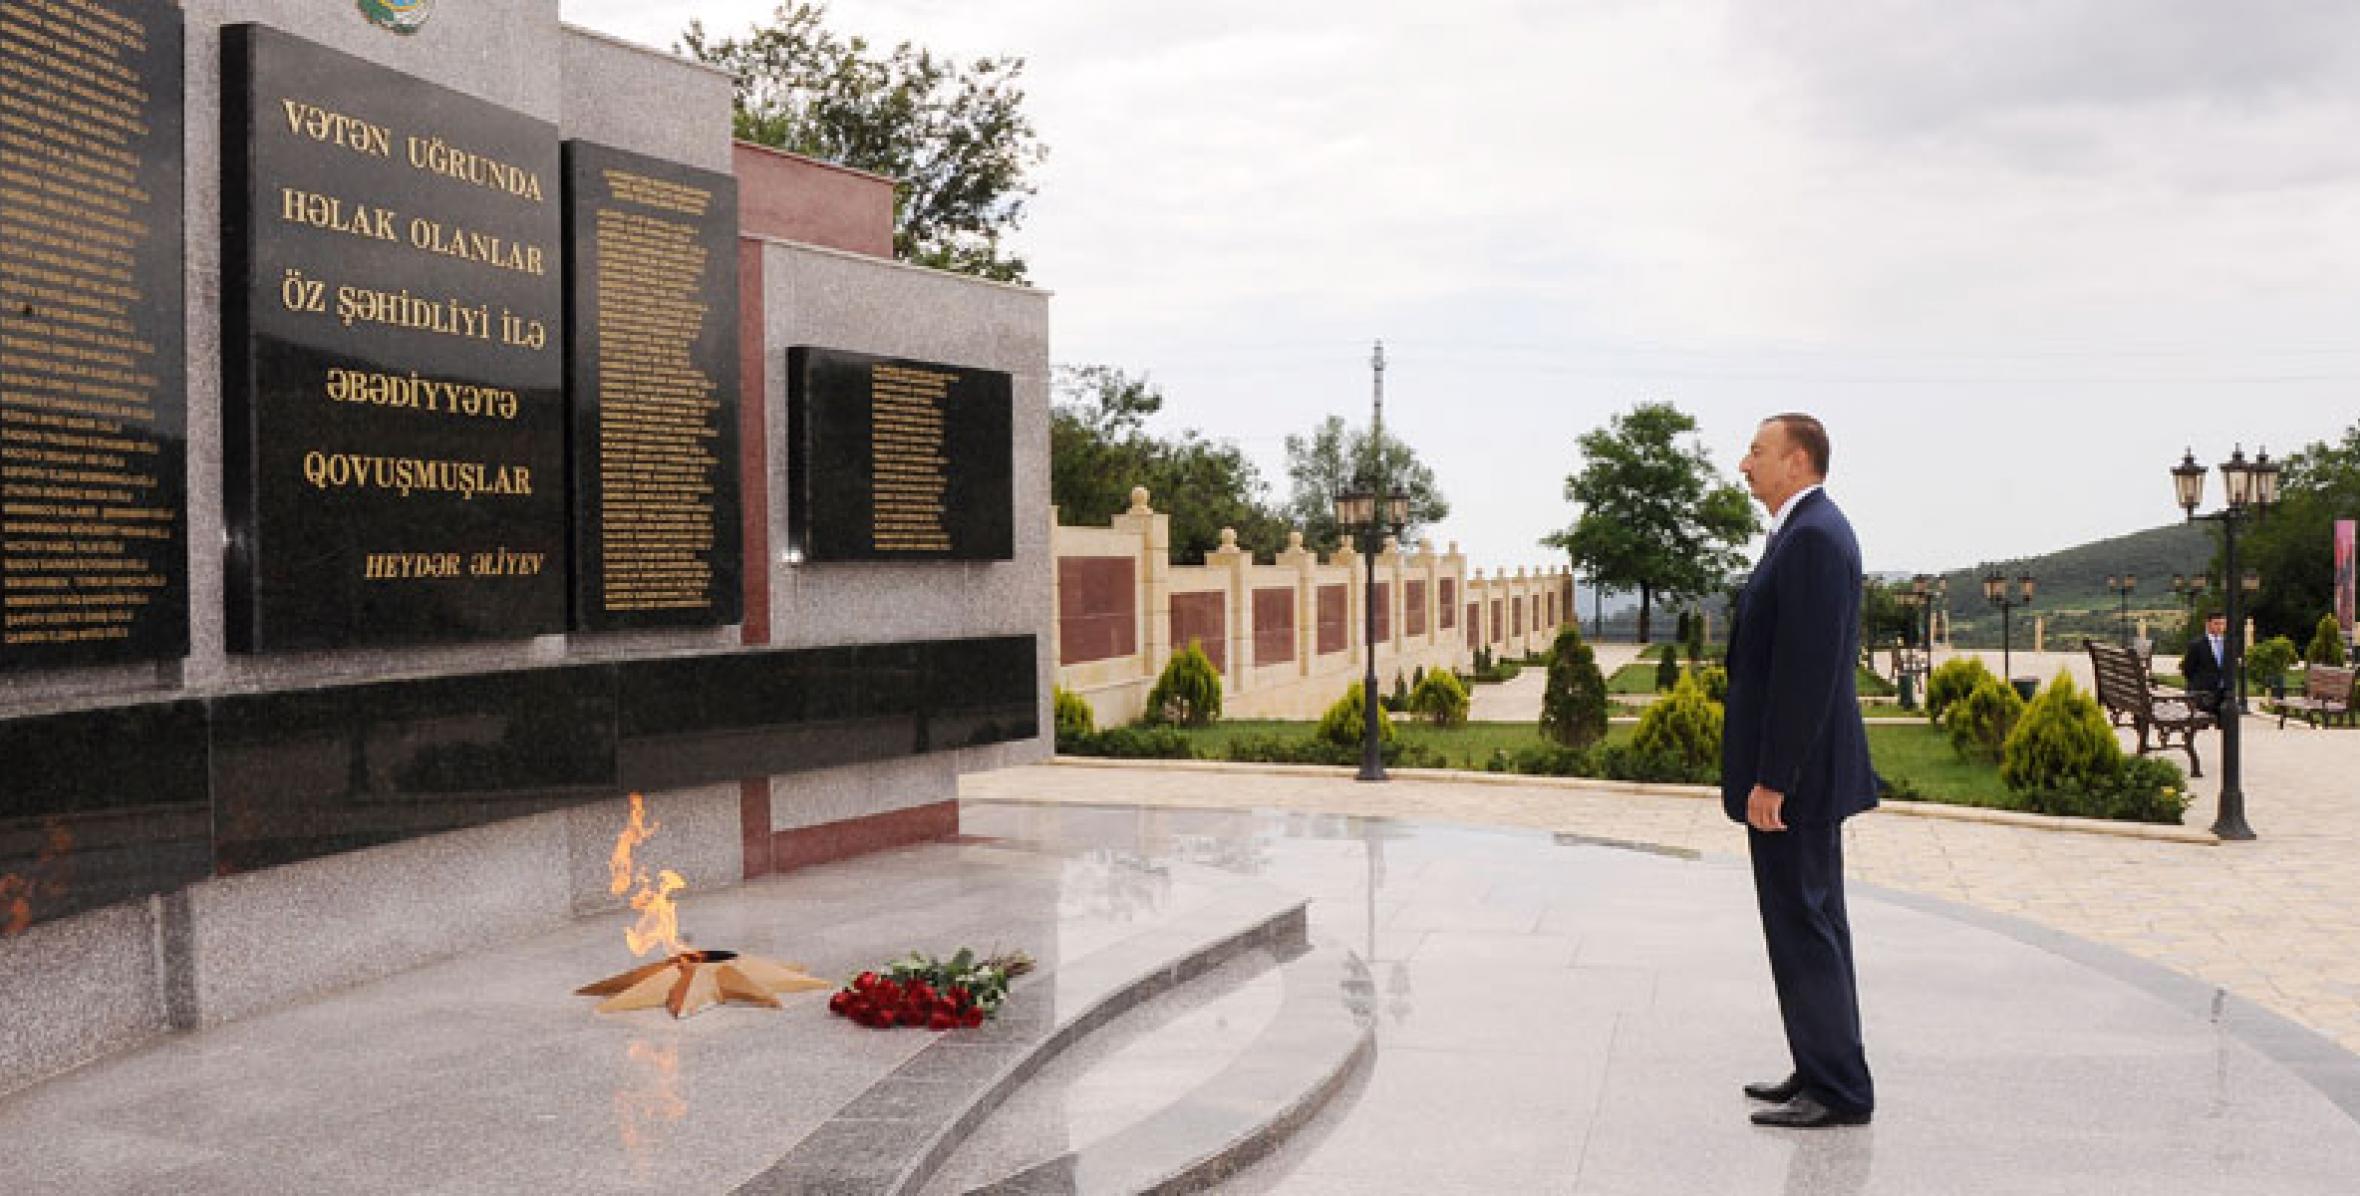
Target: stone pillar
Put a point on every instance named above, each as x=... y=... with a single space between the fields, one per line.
x=1233 y=563
x=1056 y=623
x=1305 y=565
x=1155 y=579
x=2040 y=633
x=1347 y=554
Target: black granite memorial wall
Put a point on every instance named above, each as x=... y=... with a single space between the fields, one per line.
x=652 y=370
x=889 y=459
x=393 y=405
x=105 y=805
x=93 y=395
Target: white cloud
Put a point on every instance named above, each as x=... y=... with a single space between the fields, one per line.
x=2017 y=253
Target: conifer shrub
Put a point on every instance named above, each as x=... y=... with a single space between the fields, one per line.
x=1979 y=723
x=1131 y=743
x=2141 y=789
x=1440 y=699
x=2062 y=741
x=2327 y=643
x=2266 y=662
x=1952 y=682
x=1573 y=705
x=1715 y=680
x=1189 y=691
x=1684 y=728
x=1694 y=638
x=1345 y=723
x=1073 y=714
x=1667 y=668
x=1398 y=700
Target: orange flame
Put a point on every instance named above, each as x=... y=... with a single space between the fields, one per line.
x=659 y=919
x=620 y=874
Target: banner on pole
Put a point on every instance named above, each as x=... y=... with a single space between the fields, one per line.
x=2344 y=582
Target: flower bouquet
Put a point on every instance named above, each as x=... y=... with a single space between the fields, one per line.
x=934 y=993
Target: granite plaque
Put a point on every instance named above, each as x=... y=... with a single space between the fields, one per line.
x=93 y=396
x=393 y=418
x=652 y=368
x=898 y=460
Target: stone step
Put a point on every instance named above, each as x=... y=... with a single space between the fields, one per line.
x=1184 y=1091
x=894 y=1136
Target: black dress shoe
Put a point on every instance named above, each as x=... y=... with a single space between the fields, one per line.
x=1778 y=1093
x=1806 y=1113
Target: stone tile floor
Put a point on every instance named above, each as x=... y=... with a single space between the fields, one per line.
x=2276 y=920
x=1555 y=1016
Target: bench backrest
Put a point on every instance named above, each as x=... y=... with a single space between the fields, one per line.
x=2329 y=683
x=2121 y=675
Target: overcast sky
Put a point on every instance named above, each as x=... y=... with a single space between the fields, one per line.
x=2016 y=253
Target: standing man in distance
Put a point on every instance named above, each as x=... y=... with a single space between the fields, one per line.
x=1794 y=765
x=2204 y=666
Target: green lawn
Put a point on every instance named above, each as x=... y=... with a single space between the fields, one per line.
x=1907 y=751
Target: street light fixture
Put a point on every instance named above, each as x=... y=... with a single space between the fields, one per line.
x=2122 y=587
x=1997 y=592
x=1359 y=509
x=2251 y=489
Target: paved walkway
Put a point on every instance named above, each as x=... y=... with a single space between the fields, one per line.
x=2276 y=921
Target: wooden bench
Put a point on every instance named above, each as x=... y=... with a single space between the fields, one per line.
x=2127 y=694
x=2327 y=696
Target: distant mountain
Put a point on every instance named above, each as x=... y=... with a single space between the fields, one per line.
x=2070 y=586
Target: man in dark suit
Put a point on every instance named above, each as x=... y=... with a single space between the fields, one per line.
x=1794 y=765
x=2204 y=666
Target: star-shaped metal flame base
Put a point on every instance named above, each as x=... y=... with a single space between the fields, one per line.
x=692 y=980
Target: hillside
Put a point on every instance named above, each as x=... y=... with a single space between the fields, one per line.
x=2071 y=586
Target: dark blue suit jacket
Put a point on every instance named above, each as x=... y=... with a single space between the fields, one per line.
x=1792 y=721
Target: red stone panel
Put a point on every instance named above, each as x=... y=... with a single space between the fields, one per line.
x=1450 y=603
x=1274 y=625
x=795 y=198
x=1097 y=608
x=1333 y=610
x=1204 y=619
x=1413 y=608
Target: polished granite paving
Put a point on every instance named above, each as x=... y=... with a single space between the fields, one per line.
x=1562 y=1016
x=1550 y=1015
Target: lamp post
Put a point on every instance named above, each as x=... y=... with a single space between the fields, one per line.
x=2251 y=489
x=1905 y=670
x=2122 y=587
x=1358 y=508
x=1997 y=592
x=2190 y=589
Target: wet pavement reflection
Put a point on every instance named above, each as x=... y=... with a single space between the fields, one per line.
x=1559 y=1014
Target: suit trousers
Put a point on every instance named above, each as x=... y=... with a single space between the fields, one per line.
x=1799 y=885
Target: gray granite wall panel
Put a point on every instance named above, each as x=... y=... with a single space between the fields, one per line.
x=846 y=301
x=76 y=989
x=646 y=101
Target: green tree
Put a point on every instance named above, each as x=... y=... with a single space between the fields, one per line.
x=2327 y=643
x=1655 y=515
x=1573 y=704
x=954 y=137
x=2293 y=549
x=1336 y=458
x=1099 y=448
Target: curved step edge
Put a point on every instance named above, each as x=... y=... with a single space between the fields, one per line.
x=890 y=1140
x=1307 y=1054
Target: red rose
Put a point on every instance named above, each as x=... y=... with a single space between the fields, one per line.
x=972 y=1018
x=837 y=1003
x=865 y=981
x=941 y=1021
x=960 y=996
